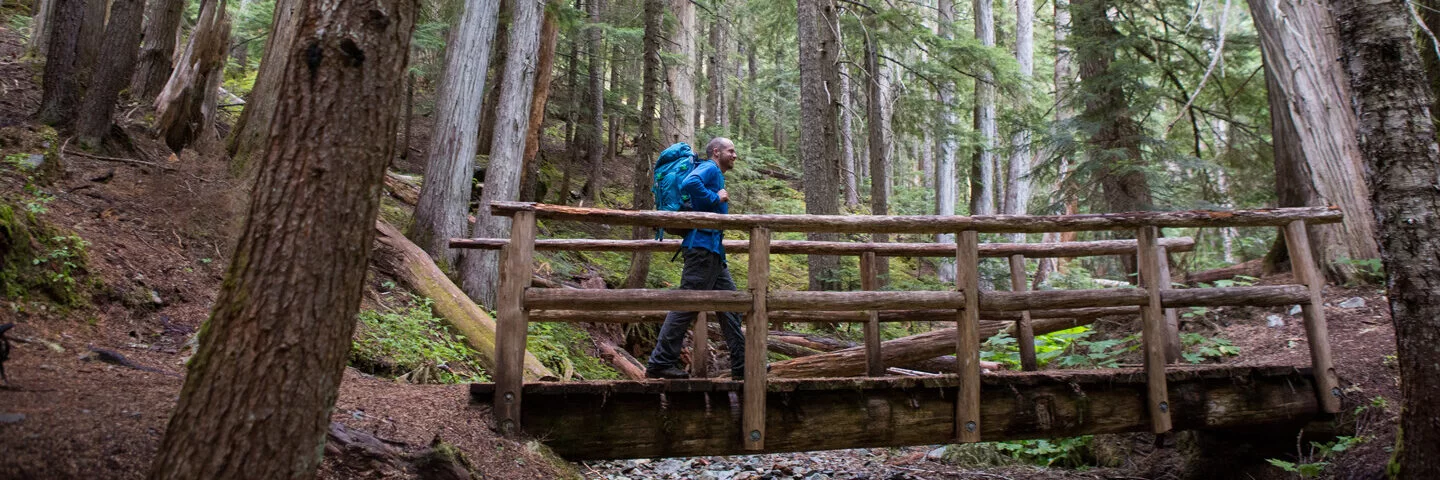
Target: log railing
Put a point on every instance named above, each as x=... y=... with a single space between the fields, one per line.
x=966 y=305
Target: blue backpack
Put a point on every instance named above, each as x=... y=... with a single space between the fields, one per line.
x=674 y=164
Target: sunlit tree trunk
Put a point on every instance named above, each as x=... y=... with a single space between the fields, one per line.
x=677 y=117
x=646 y=146
x=1064 y=75
x=42 y=22
x=595 y=139
x=946 y=176
x=442 y=210
x=851 y=172
x=877 y=111
x=157 y=47
x=1017 y=191
x=295 y=282
x=117 y=61
x=982 y=178
x=479 y=268
x=544 y=71
x=184 y=109
x=819 y=120
x=718 y=114
x=1397 y=143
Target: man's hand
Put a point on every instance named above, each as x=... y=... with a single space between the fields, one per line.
x=724 y=195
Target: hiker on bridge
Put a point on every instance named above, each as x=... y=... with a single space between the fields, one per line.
x=705 y=266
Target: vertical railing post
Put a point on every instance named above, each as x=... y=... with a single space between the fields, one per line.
x=1025 y=333
x=967 y=339
x=753 y=417
x=700 y=346
x=1173 y=347
x=874 y=363
x=1153 y=330
x=1302 y=262
x=512 y=321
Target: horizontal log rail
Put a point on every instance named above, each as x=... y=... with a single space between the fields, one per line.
x=1274 y=217
x=885 y=316
x=805 y=247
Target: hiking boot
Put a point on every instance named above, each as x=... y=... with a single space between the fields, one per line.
x=667 y=372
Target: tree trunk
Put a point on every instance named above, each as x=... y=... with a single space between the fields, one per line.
x=408 y=118
x=982 y=179
x=544 y=70
x=946 y=180
x=877 y=110
x=92 y=36
x=819 y=118
x=595 y=146
x=752 y=121
x=117 y=61
x=718 y=115
x=645 y=145
x=42 y=22
x=847 y=145
x=180 y=113
x=442 y=211
x=1317 y=157
x=676 y=121
x=253 y=125
x=294 y=284
x=157 y=47
x=1017 y=192
x=1397 y=142
x=497 y=70
x=1063 y=76
x=479 y=268
x=1430 y=15
x=59 y=95
x=572 y=120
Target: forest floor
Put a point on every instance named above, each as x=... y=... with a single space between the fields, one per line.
x=159 y=231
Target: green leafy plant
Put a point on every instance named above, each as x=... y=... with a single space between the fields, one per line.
x=1312 y=465
x=1199 y=348
x=1065 y=349
x=1069 y=452
x=560 y=347
x=401 y=341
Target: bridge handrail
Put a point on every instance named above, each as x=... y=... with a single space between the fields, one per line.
x=808 y=247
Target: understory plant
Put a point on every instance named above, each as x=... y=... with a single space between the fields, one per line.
x=410 y=342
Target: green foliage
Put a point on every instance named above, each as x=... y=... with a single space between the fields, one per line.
x=1313 y=464
x=1199 y=348
x=560 y=346
x=1068 y=452
x=1371 y=269
x=399 y=341
x=1070 y=348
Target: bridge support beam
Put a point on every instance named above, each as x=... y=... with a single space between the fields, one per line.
x=597 y=420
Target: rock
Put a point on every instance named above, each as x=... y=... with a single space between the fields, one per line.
x=1295 y=310
x=1353 y=302
x=155 y=298
x=12 y=418
x=1274 y=321
x=34 y=161
x=936 y=454
x=669 y=467
x=818 y=476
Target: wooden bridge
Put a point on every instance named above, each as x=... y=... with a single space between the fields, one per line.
x=659 y=418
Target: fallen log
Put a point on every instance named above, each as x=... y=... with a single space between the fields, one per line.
x=620 y=359
x=396 y=256
x=1253 y=268
x=812 y=341
x=900 y=351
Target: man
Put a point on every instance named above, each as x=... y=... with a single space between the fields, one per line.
x=705 y=266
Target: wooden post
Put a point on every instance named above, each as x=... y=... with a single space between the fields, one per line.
x=967 y=342
x=1025 y=332
x=512 y=320
x=755 y=349
x=700 y=346
x=1153 y=330
x=1173 y=346
x=875 y=365
x=1297 y=241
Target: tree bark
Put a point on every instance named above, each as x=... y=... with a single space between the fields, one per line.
x=718 y=99
x=544 y=70
x=157 y=47
x=59 y=94
x=251 y=129
x=851 y=172
x=1397 y=141
x=1064 y=75
x=1430 y=17
x=117 y=61
x=479 y=268
x=180 y=111
x=982 y=178
x=92 y=36
x=645 y=145
x=677 y=119
x=877 y=108
x=294 y=284
x=497 y=70
x=946 y=179
x=1017 y=191
x=819 y=118
x=42 y=22
x=442 y=212
x=1317 y=157
x=595 y=131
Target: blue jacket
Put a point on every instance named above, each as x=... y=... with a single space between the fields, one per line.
x=702 y=185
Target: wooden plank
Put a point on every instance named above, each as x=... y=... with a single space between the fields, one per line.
x=1173 y=347
x=806 y=247
x=884 y=316
x=515 y=273
x=1024 y=333
x=1307 y=272
x=700 y=346
x=1256 y=296
x=639 y=299
x=754 y=416
x=613 y=420
x=875 y=364
x=860 y=301
x=926 y=223
x=967 y=340
x=1152 y=319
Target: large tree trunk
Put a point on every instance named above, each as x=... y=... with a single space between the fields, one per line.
x=1430 y=14
x=946 y=179
x=480 y=268
x=42 y=22
x=441 y=213
x=251 y=129
x=91 y=37
x=59 y=88
x=1017 y=190
x=982 y=178
x=718 y=62
x=1317 y=157
x=877 y=110
x=497 y=70
x=677 y=118
x=544 y=70
x=157 y=47
x=572 y=119
x=117 y=61
x=595 y=144
x=851 y=171
x=259 y=391
x=1397 y=141
x=645 y=144
x=1064 y=75
x=819 y=118
x=181 y=115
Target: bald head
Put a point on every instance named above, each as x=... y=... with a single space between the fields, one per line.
x=717 y=143
x=722 y=151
